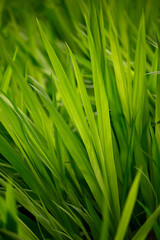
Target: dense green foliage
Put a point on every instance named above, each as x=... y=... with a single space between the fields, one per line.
x=79 y=120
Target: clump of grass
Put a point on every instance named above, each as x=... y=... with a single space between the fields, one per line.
x=79 y=121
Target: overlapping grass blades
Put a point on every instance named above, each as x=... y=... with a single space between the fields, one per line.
x=79 y=121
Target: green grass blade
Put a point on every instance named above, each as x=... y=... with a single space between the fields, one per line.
x=128 y=209
x=7 y=75
x=139 y=78
x=146 y=227
x=104 y=127
x=119 y=70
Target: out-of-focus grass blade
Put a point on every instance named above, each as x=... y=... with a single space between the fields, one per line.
x=25 y=231
x=33 y=105
x=95 y=218
x=152 y=75
x=1 y=12
x=10 y=154
x=156 y=163
x=7 y=75
x=10 y=235
x=11 y=215
x=157 y=113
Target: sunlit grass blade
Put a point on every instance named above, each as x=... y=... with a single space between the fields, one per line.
x=104 y=126
x=128 y=208
x=119 y=70
x=74 y=146
x=7 y=75
x=79 y=115
x=73 y=105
